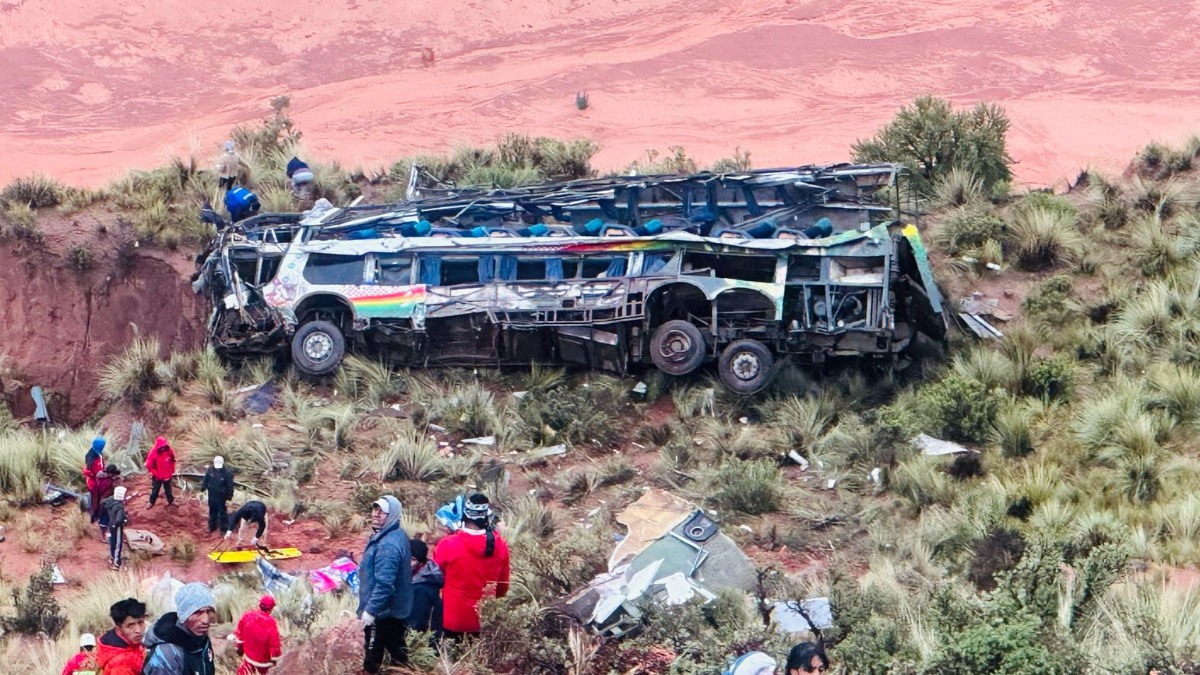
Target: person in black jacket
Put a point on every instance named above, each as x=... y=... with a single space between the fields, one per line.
x=117 y=520
x=427 y=579
x=218 y=481
x=251 y=512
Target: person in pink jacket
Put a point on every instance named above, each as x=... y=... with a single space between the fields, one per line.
x=161 y=464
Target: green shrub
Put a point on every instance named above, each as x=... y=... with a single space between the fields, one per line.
x=36 y=191
x=959 y=408
x=969 y=227
x=80 y=257
x=1046 y=201
x=577 y=415
x=957 y=187
x=1044 y=237
x=134 y=374
x=1012 y=431
x=412 y=456
x=1050 y=379
x=1010 y=646
x=933 y=139
x=20 y=222
x=36 y=609
x=752 y=487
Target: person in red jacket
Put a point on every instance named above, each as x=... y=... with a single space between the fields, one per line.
x=85 y=660
x=475 y=563
x=161 y=464
x=93 y=465
x=257 y=638
x=121 y=651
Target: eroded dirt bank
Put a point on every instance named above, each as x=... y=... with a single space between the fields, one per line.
x=60 y=325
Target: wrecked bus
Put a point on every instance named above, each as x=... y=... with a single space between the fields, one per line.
x=671 y=271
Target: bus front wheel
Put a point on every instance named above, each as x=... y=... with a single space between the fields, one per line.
x=318 y=348
x=745 y=366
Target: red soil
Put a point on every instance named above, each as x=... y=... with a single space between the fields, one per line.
x=94 y=88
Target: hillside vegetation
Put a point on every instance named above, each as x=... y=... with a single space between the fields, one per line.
x=1067 y=543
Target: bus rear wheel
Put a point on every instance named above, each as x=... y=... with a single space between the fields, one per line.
x=677 y=347
x=745 y=366
x=318 y=348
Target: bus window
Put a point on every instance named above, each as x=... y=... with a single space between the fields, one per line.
x=655 y=263
x=531 y=269
x=595 y=268
x=394 y=270
x=334 y=270
x=460 y=271
x=726 y=266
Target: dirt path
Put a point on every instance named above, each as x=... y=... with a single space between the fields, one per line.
x=96 y=88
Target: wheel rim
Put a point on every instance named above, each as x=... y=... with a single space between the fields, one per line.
x=318 y=346
x=676 y=346
x=745 y=366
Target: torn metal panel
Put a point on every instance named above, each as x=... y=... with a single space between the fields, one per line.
x=981 y=328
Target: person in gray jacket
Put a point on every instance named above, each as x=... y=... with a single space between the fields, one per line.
x=178 y=644
x=385 y=594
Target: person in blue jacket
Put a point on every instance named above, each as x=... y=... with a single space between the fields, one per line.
x=385 y=593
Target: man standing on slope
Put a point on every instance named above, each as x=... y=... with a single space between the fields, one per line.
x=121 y=651
x=117 y=520
x=257 y=638
x=474 y=561
x=218 y=481
x=178 y=644
x=161 y=464
x=251 y=512
x=385 y=587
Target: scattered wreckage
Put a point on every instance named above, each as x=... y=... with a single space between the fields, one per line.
x=675 y=553
x=675 y=271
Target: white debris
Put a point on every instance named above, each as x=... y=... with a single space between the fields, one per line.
x=799 y=459
x=744 y=420
x=639 y=389
x=482 y=440
x=520 y=394
x=877 y=476
x=831 y=483
x=747 y=528
x=936 y=446
x=438 y=428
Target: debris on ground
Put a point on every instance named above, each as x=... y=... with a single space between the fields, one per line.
x=673 y=553
x=144 y=540
x=936 y=447
x=330 y=578
x=262 y=399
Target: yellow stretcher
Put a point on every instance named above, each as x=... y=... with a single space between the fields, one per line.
x=250 y=555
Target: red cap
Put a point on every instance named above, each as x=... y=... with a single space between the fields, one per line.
x=267 y=603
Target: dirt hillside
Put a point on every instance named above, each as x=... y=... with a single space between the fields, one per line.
x=95 y=88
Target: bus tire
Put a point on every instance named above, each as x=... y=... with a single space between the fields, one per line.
x=318 y=348
x=745 y=366
x=677 y=347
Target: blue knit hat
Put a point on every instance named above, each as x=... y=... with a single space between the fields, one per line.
x=191 y=599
